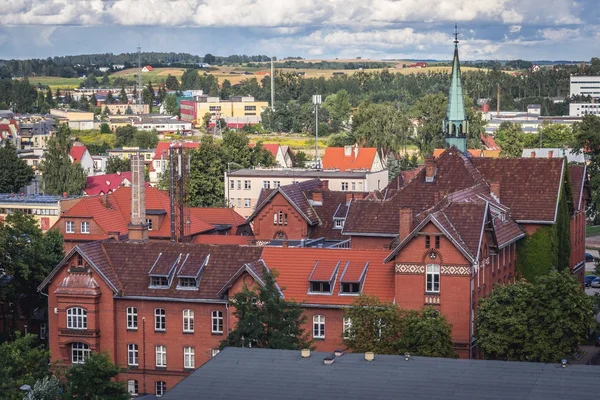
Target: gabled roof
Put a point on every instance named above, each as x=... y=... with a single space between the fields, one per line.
x=77 y=153
x=358 y=158
x=404 y=177
x=578 y=177
x=162 y=148
x=104 y=184
x=489 y=143
x=218 y=216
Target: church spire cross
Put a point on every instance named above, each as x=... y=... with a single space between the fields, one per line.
x=455 y=33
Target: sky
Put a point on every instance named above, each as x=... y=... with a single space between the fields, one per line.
x=313 y=29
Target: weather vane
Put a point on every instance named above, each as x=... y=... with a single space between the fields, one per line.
x=455 y=33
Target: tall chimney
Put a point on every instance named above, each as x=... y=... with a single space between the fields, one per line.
x=430 y=169
x=138 y=230
x=325 y=184
x=406 y=223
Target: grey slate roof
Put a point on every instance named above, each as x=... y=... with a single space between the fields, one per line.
x=284 y=374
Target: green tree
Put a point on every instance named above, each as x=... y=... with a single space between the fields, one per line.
x=148 y=94
x=300 y=159
x=94 y=379
x=338 y=105
x=145 y=139
x=430 y=111
x=554 y=135
x=206 y=120
x=341 y=139
x=171 y=106
x=510 y=138
x=125 y=135
x=383 y=127
x=172 y=83
x=209 y=59
x=123 y=96
x=110 y=99
x=190 y=79
x=426 y=333
x=49 y=98
x=587 y=136
x=544 y=321
x=14 y=172
x=116 y=164
x=24 y=362
x=266 y=320
x=48 y=388
x=206 y=176
x=59 y=173
x=104 y=127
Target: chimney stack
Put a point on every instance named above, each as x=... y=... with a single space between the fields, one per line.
x=430 y=169
x=550 y=153
x=495 y=190
x=138 y=230
x=533 y=154
x=317 y=197
x=325 y=184
x=406 y=223
x=349 y=197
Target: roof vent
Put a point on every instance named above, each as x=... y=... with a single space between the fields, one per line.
x=369 y=356
x=329 y=360
x=563 y=362
x=305 y=353
x=406 y=357
x=338 y=353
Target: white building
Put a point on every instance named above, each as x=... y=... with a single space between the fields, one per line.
x=585 y=86
x=162 y=125
x=581 y=109
x=556 y=152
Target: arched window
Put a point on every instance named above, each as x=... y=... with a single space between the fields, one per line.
x=76 y=318
x=79 y=352
x=319 y=327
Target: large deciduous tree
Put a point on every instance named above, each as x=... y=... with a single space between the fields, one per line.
x=171 y=106
x=60 y=174
x=587 y=139
x=14 y=172
x=266 y=320
x=511 y=139
x=381 y=126
x=125 y=135
x=117 y=164
x=172 y=83
x=544 y=321
x=94 y=379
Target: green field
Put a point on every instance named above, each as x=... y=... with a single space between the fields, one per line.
x=56 y=82
x=592 y=230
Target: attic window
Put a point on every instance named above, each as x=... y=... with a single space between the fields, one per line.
x=187 y=283
x=350 y=287
x=159 y=281
x=320 y=287
x=338 y=223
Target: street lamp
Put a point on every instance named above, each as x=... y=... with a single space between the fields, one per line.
x=316 y=101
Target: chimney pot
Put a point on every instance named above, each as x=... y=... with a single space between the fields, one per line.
x=369 y=356
x=349 y=197
x=430 y=169
x=285 y=244
x=533 y=154
x=305 y=353
x=64 y=195
x=406 y=223
x=325 y=184
x=550 y=153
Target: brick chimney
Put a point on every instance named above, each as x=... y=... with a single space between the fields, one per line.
x=550 y=153
x=430 y=169
x=495 y=190
x=317 y=197
x=349 y=197
x=532 y=154
x=138 y=230
x=406 y=223
x=325 y=184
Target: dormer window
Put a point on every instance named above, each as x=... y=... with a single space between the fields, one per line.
x=159 y=281
x=320 y=287
x=187 y=282
x=353 y=278
x=350 y=287
x=338 y=223
x=323 y=277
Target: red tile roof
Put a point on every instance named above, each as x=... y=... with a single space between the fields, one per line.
x=77 y=153
x=218 y=216
x=104 y=184
x=489 y=143
x=577 y=175
x=162 y=149
x=335 y=158
x=272 y=147
x=223 y=239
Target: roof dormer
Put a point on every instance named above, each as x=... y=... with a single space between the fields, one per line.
x=323 y=277
x=189 y=275
x=163 y=270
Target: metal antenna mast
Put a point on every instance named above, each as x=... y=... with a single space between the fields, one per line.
x=272 y=87
x=139 y=80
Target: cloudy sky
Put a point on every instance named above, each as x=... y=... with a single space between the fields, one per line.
x=421 y=29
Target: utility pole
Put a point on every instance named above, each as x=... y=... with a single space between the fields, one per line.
x=272 y=87
x=316 y=102
x=498 y=101
x=139 y=80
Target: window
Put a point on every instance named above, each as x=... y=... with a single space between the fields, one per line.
x=214 y=352
x=85 y=227
x=132 y=322
x=159 y=281
x=249 y=108
x=344 y=186
x=161 y=388
x=276 y=184
x=160 y=319
x=239 y=202
x=319 y=286
x=275 y=219
x=76 y=318
x=232 y=184
x=433 y=278
x=132 y=354
x=247 y=185
x=43 y=330
x=132 y=387
x=79 y=352
x=437 y=242
x=187 y=282
x=79 y=260
x=188 y=357
x=217 y=322
x=347 y=324
x=149 y=223
x=161 y=356
x=338 y=223
x=427 y=242
x=188 y=320
x=353 y=186
x=266 y=184
x=319 y=327
x=351 y=287
x=246 y=203
x=239 y=184
x=70 y=227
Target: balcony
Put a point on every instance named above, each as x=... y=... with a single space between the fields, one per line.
x=89 y=333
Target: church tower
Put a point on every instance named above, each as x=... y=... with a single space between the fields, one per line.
x=456 y=125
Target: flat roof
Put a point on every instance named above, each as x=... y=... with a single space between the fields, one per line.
x=32 y=199
x=299 y=173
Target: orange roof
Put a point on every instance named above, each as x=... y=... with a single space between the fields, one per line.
x=149 y=68
x=104 y=184
x=77 y=153
x=218 y=216
x=272 y=147
x=295 y=265
x=489 y=143
x=336 y=158
x=112 y=213
x=223 y=239
x=162 y=149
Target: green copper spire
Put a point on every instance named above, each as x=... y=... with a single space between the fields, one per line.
x=455 y=124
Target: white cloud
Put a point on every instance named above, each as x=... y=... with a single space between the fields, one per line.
x=559 y=35
x=514 y=28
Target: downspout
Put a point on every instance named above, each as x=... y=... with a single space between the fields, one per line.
x=471 y=317
x=227 y=313
x=144 y=353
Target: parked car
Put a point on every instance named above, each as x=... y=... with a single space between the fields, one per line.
x=587 y=280
x=595 y=283
x=589 y=257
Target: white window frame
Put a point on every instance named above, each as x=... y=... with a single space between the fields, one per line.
x=232 y=184
x=239 y=202
x=188 y=357
x=247 y=203
x=432 y=272
x=149 y=223
x=344 y=186
x=247 y=185
x=161 y=355
x=132 y=355
x=276 y=184
x=77 y=318
x=70 y=227
x=132 y=321
x=188 y=320
x=160 y=388
x=217 y=321
x=346 y=326
x=266 y=184
x=338 y=223
x=86 y=225
x=239 y=184
x=214 y=352
x=160 y=319
x=79 y=352
x=319 y=327
x=132 y=387
x=43 y=330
